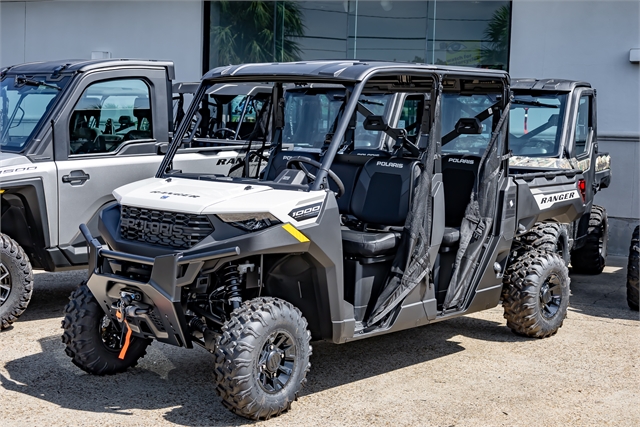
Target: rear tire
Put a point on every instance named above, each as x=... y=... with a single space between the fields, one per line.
x=632 y=271
x=591 y=258
x=535 y=295
x=16 y=281
x=92 y=340
x=262 y=358
x=549 y=237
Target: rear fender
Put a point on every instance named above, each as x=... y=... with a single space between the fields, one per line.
x=551 y=196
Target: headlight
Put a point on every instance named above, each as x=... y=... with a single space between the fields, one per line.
x=250 y=221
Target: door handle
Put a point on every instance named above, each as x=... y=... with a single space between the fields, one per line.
x=76 y=177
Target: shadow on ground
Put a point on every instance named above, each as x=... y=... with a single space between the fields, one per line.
x=603 y=295
x=185 y=386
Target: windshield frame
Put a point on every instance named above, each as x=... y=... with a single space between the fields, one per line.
x=61 y=81
x=563 y=114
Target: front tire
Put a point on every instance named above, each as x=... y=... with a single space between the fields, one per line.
x=16 y=281
x=632 y=271
x=92 y=340
x=262 y=358
x=536 y=294
x=591 y=258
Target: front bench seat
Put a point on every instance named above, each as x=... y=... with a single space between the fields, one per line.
x=381 y=197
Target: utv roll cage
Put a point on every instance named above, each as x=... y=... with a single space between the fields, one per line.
x=356 y=76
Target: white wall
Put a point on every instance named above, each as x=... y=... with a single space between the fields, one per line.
x=590 y=40
x=46 y=30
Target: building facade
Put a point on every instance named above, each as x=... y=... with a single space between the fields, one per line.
x=596 y=40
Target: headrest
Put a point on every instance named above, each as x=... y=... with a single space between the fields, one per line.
x=126 y=120
x=141 y=104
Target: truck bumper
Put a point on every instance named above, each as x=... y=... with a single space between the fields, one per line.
x=159 y=313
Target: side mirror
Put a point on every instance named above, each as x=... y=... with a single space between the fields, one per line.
x=468 y=126
x=375 y=123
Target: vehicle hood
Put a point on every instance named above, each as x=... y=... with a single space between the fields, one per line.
x=10 y=159
x=182 y=195
x=218 y=197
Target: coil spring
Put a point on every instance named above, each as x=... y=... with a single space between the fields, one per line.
x=233 y=288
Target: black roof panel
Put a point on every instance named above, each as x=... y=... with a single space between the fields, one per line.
x=554 y=85
x=80 y=65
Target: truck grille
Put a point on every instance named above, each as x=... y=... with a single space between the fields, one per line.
x=174 y=229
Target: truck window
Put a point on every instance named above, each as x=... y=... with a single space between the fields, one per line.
x=457 y=106
x=108 y=114
x=411 y=114
x=535 y=124
x=583 y=124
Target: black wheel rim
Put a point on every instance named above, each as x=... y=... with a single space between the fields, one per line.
x=276 y=362
x=551 y=296
x=5 y=283
x=110 y=334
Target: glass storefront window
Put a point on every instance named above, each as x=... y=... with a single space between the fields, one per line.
x=463 y=33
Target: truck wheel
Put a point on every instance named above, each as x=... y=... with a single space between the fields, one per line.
x=549 y=237
x=262 y=358
x=16 y=281
x=535 y=294
x=92 y=340
x=632 y=271
x=591 y=258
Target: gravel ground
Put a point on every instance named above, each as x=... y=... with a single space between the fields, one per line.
x=470 y=371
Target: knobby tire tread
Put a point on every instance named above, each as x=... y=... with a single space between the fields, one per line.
x=22 y=285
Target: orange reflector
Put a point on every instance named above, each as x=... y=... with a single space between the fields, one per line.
x=127 y=340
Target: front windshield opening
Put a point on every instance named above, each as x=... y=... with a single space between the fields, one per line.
x=24 y=104
x=535 y=124
x=456 y=108
x=241 y=117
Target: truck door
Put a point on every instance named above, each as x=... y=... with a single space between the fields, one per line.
x=583 y=139
x=105 y=138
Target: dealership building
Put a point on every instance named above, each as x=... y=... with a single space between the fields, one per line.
x=593 y=41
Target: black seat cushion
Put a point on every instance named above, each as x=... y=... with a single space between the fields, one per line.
x=451 y=236
x=369 y=244
x=383 y=190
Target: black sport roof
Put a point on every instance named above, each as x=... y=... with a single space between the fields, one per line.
x=555 y=85
x=344 y=70
x=70 y=66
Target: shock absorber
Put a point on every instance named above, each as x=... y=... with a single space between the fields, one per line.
x=233 y=286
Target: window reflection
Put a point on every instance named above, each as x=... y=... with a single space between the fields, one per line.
x=464 y=33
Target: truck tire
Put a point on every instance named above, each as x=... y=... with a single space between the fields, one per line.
x=262 y=358
x=535 y=295
x=92 y=340
x=549 y=237
x=592 y=256
x=632 y=271
x=16 y=281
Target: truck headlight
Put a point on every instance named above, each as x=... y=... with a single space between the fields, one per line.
x=250 y=221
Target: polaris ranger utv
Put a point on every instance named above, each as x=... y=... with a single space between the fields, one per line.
x=70 y=133
x=337 y=241
x=553 y=126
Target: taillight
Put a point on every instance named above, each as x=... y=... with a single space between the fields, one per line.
x=582 y=187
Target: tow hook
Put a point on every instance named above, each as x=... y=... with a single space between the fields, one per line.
x=124 y=309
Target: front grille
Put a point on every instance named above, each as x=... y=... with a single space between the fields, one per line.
x=174 y=229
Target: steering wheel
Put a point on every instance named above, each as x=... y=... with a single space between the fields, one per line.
x=298 y=161
x=225 y=133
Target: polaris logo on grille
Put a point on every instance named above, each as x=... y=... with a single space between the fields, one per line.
x=306 y=212
x=390 y=164
x=153 y=227
x=547 y=200
x=465 y=161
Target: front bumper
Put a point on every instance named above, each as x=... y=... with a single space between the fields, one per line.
x=161 y=315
